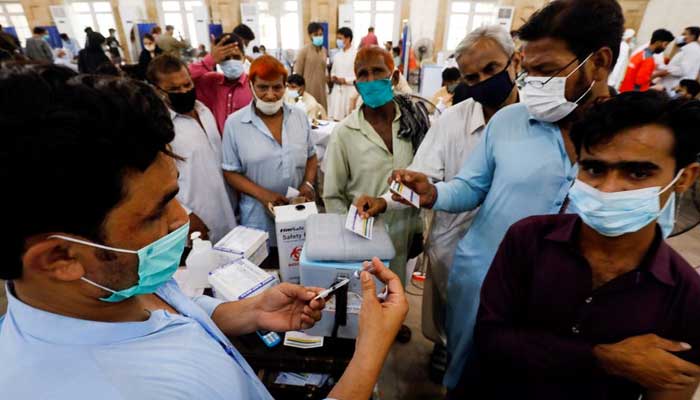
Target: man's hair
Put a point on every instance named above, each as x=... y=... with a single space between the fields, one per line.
x=244 y=31
x=156 y=30
x=370 y=29
x=256 y=49
x=39 y=30
x=497 y=33
x=691 y=86
x=110 y=30
x=345 y=31
x=584 y=25
x=661 y=35
x=267 y=68
x=450 y=74
x=296 y=79
x=694 y=30
x=635 y=109
x=169 y=28
x=162 y=65
x=374 y=51
x=314 y=27
x=396 y=50
x=69 y=144
x=149 y=37
x=64 y=36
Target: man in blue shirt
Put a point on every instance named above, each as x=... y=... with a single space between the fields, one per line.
x=93 y=311
x=524 y=165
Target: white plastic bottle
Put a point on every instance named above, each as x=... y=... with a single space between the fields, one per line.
x=200 y=262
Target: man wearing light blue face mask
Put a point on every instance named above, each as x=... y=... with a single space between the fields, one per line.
x=223 y=92
x=91 y=299
x=312 y=63
x=525 y=163
x=597 y=305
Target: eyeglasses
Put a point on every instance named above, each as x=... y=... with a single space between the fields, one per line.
x=540 y=84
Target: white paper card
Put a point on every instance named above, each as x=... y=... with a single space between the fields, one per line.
x=301 y=340
x=359 y=225
x=405 y=192
x=292 y=193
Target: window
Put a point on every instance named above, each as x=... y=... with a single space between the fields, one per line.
x=383 y=15
x=465 y=16
x=279 y=22
x=12 y=14
x=180 y=14
x=95 y=14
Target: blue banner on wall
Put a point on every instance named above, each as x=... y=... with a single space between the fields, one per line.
x=216 y=30
x=11 y=30
x=143 y=29
x=324 y=25
x=54 y=36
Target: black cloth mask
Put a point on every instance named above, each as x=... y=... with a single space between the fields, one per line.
x=493 y=91
x=182 y=103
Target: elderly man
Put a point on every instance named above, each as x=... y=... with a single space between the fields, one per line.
x=568 y=295
x=203 y=190
x=223 y=92
x=489 y=64
x=525 y=163
x=91 y=299
x=268 y=148
x=369 y=144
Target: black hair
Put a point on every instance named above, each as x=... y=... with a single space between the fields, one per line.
x=64 y=36
x=585 y=26
x=661 y=35
x=634 y=109
x=163 y=64
x=450 y=74
x=87 y=29
x=244 y=31
x=149 y=37
x=370 y=29
x=691 y=86
x=107 y=68
x=694 y=30
x=39 y=30
x=296 y=79
x=345 y=31
x=396 y=50
x=69 y=143
x=169 y=28
x=233 y=38
x=314 y=27
x=256 y=49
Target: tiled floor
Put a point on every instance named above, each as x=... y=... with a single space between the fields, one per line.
x=405 y=374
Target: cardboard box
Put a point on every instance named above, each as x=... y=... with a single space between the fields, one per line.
x=290 y=229
x=239 y=280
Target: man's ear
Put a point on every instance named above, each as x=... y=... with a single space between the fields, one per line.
x=55 y=258
x=688 y=177
x=516 y=63
x=602 y=60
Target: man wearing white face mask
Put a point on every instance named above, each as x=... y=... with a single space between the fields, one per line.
x=525 y=163
x=268 y=148
x=597 y=305
x=223 y=92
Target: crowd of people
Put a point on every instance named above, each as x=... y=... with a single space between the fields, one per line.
x=545 y=201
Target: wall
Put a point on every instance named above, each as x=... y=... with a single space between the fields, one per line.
x=672 y=15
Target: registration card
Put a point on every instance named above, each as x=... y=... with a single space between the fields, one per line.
x=405 y=192
x=355 y=223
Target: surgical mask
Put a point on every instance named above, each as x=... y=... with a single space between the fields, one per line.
x=149 y=47
x=547 y=101
x=46 y=37
x=451 y=87
x=292 y=94
x=680 y=40
x=267 y=107
x=618 y=213
x=157 y=263
x=182 y=103
x=340 y=43
x=376 y=93
x=232 y=69
x=317 y=40
x=492 y=92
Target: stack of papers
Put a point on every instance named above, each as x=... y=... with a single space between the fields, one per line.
x=242 y=240
x=359 y=225
x=300 y=340
x=301 y=379
x=239 y=280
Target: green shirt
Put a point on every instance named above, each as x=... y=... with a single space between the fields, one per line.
x=358 y=162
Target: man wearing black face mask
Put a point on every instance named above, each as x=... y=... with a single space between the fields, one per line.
x=202 y=188
x=488 y=61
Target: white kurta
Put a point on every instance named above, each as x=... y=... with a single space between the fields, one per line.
x=684 y=65
x=339 y=104
x=618 y=72
x=202 y=186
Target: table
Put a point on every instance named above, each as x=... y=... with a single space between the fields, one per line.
x=332 y=358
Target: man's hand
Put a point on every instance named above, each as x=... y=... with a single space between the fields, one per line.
x=380 y=321
x=273 y=198
x=647 y=360
x=220 y=51
x=306 y=192
x=369 y=206
x=417 y=182
x=197 y=225
x=288 y=307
